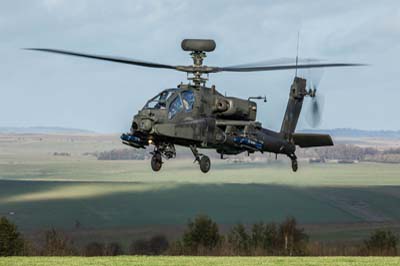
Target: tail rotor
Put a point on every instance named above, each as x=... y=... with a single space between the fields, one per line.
x=315 y=110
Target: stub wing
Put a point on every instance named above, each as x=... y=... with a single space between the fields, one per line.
x=306 y=140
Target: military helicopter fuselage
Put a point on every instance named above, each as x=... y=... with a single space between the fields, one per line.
x=204 y=118
x=201 y=117
x=197 y=116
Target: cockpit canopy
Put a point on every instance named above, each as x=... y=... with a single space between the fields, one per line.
x=182 y=101
x=160 y=100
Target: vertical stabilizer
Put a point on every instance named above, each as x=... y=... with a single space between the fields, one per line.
x=293 y=109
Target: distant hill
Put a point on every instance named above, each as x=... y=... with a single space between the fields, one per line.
x=348 y=132
x=41 y=130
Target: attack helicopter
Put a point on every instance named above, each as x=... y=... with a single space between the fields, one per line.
x=196 y=116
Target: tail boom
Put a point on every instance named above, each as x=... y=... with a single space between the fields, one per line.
x=295 y=103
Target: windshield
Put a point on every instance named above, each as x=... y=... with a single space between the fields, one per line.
x=160 y=101
x=188 y=100
x=175 y=107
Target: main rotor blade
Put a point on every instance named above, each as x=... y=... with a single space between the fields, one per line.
x=202 y=69
x=278 y=61
x=283 y=67
x=106 y=58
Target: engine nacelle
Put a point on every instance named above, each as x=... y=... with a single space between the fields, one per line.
x=234 y=108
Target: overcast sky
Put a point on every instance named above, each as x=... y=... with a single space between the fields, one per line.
x=39 y=89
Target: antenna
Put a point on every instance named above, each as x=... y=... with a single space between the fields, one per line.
x=297 y=52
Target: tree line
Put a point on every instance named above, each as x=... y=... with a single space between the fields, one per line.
x=350 y=152
x=119 y=154
x=344 y=152
x=203 y=237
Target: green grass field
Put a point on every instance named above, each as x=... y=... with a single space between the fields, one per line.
x=199 y=261
x=116 y=200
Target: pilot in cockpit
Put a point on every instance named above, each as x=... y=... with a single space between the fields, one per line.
x=162 y=101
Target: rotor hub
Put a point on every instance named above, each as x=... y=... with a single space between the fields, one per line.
x=198 y=57
x=197 y=74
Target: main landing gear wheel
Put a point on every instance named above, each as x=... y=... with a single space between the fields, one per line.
x=156 y=162
x=203 y=160
x=295 y=165
x=205 y=164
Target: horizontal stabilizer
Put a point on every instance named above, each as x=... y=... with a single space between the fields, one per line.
x=305 y=140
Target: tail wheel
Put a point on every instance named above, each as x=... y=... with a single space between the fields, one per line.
x=295 y=165
x=156 y=162
x=205 y=164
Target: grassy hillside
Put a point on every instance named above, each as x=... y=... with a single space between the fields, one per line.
x=195 y=261
x=123 y=199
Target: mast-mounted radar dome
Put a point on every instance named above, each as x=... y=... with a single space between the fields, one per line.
x=198 y=45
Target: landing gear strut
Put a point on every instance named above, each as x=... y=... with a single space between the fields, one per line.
x=202 y=159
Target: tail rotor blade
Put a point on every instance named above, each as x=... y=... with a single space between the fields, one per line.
x=314 y=116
